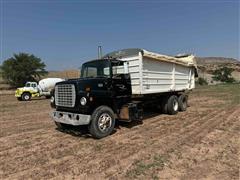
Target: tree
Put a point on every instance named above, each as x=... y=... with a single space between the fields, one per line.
x=201 y=81
x=22 y=67
x=223 y=74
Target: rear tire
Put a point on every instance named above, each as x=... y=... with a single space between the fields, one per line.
x=172 y=105
x=102 y=122
x=26 y=96
x=164 y=107
x=182 y=100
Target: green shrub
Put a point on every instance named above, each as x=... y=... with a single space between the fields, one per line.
x=201 y=81
x=223 y=74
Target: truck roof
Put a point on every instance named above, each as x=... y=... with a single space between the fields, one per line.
x=103 y=59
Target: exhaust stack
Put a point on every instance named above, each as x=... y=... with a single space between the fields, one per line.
x=99 y=52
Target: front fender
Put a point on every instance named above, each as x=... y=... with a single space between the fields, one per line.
x=18 y=92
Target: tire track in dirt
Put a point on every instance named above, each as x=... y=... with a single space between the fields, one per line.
x=42 y=152
x=123 y=131
x=152 y=123
x=128 y=140
x=109 y=151
x=13 y=128
x=114 y=149
x=24 y=130
x=182 y=139
x=213 y=146
x=127 y=157
x=121 y=145
x=90 y=157
x=10 y=130
x=8 y=117
x=202 y=130
x=208 y=127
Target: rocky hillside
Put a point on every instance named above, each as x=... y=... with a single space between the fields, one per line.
x=216 y=60
x=207 y=65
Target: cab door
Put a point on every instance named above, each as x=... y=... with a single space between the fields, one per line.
x=121 y=79
x=34 y=87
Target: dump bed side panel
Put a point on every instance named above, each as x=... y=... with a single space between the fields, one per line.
x=157 y=76
x=154 y=76
x=182 y=77
x=161 y=76
x=134 y=64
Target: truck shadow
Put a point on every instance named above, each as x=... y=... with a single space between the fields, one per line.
x=79 y=131
x=146 y=115
x=82 y=131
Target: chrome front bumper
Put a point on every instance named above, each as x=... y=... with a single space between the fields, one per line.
x=71 y=118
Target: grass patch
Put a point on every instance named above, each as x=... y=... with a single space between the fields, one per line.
x=140 y=167
x=229 y=93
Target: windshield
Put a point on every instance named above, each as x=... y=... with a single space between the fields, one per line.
x=27 y=84
x=94 y=69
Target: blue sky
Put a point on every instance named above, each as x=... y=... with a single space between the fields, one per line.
x=64 y=34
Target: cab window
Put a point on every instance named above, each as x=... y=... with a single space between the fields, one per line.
x=95 y=69
x=33 y=85
x=117 y=68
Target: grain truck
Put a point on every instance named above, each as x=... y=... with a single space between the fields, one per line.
x=119 y=86
x=32 y=89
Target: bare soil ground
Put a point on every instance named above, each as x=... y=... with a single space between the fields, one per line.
x=202 y=142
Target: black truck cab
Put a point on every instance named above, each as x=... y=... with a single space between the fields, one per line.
x=97 y=98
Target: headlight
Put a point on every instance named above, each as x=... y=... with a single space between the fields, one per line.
x=83 y=101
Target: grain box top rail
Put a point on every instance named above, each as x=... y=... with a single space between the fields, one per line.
x=187 y=60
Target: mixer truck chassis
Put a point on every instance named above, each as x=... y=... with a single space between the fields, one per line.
x=32 y=89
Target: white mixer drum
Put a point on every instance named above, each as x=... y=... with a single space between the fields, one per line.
x=49 y=83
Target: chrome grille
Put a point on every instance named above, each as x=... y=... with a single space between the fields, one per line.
x=65 y=95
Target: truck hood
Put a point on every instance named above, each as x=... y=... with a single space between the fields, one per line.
x=25 y=89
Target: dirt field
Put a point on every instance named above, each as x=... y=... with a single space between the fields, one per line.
x=202 y=142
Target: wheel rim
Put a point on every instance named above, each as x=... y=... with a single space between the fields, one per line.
x=175 y=105
x=26 y=97
x=104 y=122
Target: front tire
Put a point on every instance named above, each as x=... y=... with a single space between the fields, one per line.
x=52 y=102
x=102 y=122
x=26 y=96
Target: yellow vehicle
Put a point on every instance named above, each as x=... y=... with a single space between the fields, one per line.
x=32 y=89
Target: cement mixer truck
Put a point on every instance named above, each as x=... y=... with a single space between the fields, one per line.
x=32 y=89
